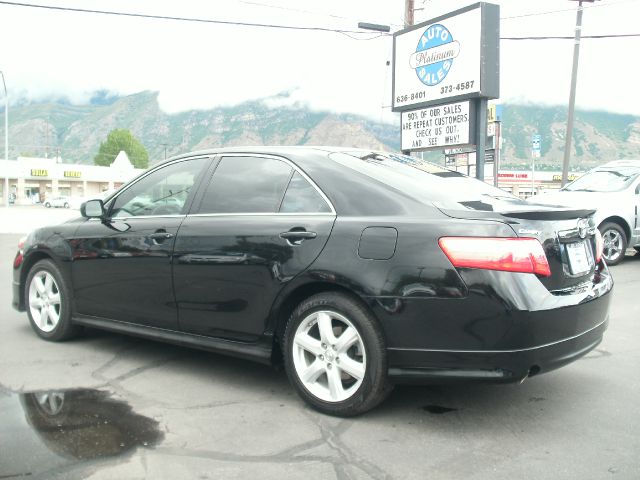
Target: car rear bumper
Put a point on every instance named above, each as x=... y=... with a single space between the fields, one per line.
x=16 y=299
x=503 y=334
x=424 y=366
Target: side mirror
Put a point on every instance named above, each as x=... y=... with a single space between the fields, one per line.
x=92 y=209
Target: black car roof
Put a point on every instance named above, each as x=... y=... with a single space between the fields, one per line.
x=297 y=151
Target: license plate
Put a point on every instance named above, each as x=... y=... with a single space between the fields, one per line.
x=579 y=258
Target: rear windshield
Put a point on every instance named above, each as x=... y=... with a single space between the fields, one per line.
x=426 y=181
x=604 y=180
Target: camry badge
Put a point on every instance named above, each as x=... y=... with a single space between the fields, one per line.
x=526 y=231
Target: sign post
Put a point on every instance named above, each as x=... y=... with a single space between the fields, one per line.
x=536 y=140
x=451 y=62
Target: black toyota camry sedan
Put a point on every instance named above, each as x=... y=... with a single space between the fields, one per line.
x=355 y=269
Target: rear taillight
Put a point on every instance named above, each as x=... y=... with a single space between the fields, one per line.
x=508 y=254
x=599 y=246
x=20 y=255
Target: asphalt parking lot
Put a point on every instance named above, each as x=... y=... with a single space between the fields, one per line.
x=127 y=408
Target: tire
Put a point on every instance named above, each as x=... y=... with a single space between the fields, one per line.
x=48 y=302
x=48 y=205
x=615 y=242
x=637 y=249
x=66 y=205
x=346 y=360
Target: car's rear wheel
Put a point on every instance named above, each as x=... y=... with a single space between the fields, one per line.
x=48 y=302
x=335 y=355
x=615 y=243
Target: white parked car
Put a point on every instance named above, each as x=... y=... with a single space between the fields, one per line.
x=613 y=190
x=58 y=202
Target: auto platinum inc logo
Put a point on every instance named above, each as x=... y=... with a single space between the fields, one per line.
x=434 y=54
x=583 y=227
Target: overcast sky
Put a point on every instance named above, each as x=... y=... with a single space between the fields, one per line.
x=197 y=65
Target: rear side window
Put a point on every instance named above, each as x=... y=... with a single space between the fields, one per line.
x=246 y=185
x=302 y=197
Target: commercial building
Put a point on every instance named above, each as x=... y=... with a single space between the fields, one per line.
x=519 y=182
x=31 y=180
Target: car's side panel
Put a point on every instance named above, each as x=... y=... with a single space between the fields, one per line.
x=122 y=270
x=229 y=268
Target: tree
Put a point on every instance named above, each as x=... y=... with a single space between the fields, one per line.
x=122 y=139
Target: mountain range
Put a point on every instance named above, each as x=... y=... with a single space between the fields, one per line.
x=75 y=131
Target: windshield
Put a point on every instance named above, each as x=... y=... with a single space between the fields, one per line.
x=604 y=180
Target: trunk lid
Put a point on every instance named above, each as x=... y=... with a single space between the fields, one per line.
x=566 y=234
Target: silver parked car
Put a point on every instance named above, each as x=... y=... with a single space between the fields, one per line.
x=614 y=190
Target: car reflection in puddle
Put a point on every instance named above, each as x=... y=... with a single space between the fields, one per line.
x=49 y=430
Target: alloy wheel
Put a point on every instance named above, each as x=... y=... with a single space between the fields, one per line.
x=50 y=402
x=329 y=356
x=613 y=245
x=45 y=303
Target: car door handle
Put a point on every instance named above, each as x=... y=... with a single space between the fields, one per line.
x=298 y=234
x=160 y=237
x=296 y=237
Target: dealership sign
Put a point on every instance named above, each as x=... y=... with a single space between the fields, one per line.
x=438 y=127
x=448 y=58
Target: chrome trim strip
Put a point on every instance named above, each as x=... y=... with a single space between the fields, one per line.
x=116 y=219
x=263 y=214
x=574 y=233
x=501 y=351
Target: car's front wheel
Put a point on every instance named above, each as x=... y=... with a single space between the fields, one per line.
x=48 y=205
x=335 y=355
x=48 y=302
x=66 y=205
x=615 y=243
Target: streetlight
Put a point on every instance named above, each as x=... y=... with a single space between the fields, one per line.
x=572 y=93
x=6 y=141
x=376 y=27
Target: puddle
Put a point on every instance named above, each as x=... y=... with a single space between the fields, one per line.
x=438 y=409
x=45 y=430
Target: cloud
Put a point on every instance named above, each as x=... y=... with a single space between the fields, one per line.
x=197 y=66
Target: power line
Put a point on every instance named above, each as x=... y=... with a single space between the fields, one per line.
x=549 y=12
x=190 y=19
x=615 y=35
x=348 y=33
x=309 y=12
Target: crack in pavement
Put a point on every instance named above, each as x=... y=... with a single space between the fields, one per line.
x=329 y=436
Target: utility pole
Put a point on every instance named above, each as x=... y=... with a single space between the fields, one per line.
x=408 y=12
x=46 y=139
x=572 y=94
x=496 y=150
x=165 y=149
x=6 y=141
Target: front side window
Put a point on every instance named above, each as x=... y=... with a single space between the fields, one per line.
x=163 y=192
x=246 y=185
